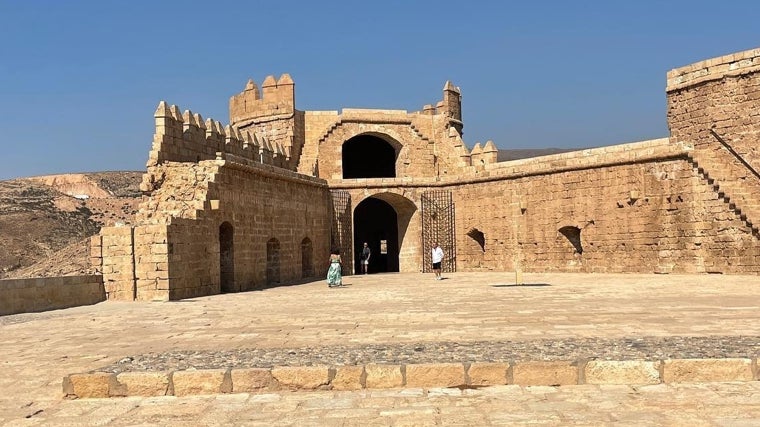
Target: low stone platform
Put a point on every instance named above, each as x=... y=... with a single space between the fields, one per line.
x=429 y=375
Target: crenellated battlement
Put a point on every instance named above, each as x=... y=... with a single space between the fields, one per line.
x=187 y=137
x=276 y=99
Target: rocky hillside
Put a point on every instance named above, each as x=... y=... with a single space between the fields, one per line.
x=45 y=221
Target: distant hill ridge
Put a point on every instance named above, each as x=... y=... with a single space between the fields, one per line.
x=526 y=153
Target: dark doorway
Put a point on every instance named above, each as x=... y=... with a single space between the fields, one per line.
x=273 y=261
x=226 y=258
x=307 y=266
x=376 y=222
x=368 y=156
x=573 y=235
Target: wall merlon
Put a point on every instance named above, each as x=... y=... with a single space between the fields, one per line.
x=269 y=82
x=285 y=80
x=188 y=120
x=253 y=89
x=176 y=113
x=199 y=121
x=162 y=110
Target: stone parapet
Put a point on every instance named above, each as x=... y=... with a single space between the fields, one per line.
x=428 y=375
x=734 y=64
x=624 y=154
x=49 y=293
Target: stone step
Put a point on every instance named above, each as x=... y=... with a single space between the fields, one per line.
x=425 y=375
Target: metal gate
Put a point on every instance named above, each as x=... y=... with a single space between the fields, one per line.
x=341 y=235
x=438 y=226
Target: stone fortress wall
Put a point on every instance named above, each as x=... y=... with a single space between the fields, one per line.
x=684 y=204
x=223 y=215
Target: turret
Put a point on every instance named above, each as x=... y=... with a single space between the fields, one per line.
x=452 y=101
x=277 y=97
x=451 y=105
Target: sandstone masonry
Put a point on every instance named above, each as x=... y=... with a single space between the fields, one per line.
x=261 y=201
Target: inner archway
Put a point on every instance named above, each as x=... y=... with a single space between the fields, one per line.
x=226 y=258
x=376 y=222
x=368 y=156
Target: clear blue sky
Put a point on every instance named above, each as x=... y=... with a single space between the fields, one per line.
x=79 y=80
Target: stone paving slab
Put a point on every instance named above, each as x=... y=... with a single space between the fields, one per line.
x=710 y=404
x=39 y=349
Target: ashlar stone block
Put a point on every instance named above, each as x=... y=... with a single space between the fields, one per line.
x=301 y=377
x=384 y=376
x=622 y=372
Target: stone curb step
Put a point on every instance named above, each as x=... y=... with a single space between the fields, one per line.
x=426 y=375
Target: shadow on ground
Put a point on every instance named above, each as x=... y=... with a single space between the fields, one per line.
x=514 y=285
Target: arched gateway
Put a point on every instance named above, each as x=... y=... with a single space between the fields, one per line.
x=384 y=221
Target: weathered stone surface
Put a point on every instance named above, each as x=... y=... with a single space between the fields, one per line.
x=143 y=383
x=545 y=373
x=487 y=374
x=348 y=378
x=435 y=375
x=251 y=379
x=383 y=376
x=701 y=370
x=622 y=372
x=301 y=377
x=207 y=381
x=682 y=200
x=97 y=384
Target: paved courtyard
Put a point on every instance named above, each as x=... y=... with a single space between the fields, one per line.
x=391 y=311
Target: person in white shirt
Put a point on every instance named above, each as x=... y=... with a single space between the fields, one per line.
x=437 y=259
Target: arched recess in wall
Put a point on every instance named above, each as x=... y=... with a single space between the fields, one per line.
x=273 y=261
x=227 y=258
x=573 y=235
x=370 y=155
x=307 y=254
x=478 y=237
x=382 y=221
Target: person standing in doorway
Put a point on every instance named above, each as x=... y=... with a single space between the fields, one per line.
x=437 y=259
x=366 y=253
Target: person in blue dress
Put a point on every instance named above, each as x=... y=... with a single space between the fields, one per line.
x=334 y=278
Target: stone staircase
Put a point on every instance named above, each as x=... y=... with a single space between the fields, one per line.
x=307 y=162
x=731 y=181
